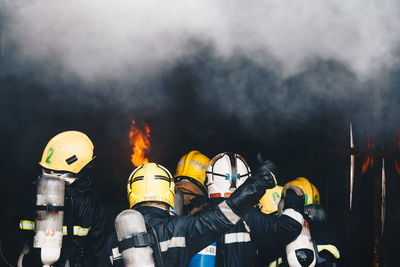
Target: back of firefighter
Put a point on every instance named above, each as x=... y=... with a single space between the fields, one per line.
x=179 y=238
x=325 y=242
x=66 y=157
x=190 y=178
x=269 y=205
x=238 y=246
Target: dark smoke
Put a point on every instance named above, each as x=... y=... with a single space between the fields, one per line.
x=284 y=78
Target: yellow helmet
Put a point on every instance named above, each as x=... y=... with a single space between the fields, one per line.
x=151 y=182
x=68 y=151
x=311 y=193
x=193 y=166
x=269 y=201
x=315 y=195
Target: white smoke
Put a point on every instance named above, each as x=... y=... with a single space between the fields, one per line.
x=95 y=39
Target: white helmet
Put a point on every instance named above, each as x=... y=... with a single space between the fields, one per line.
x=226 y=172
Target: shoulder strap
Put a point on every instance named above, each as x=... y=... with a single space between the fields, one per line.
x=318 y=259
x=156 y=247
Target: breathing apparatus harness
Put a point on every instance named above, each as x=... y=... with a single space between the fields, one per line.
x=144 y=239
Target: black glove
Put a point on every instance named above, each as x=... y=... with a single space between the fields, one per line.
x=250 y=192
x=266 y=170
x=316 y=213
x=293 y=201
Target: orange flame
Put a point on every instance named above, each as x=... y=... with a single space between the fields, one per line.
x=140 y=143
x=369 y=161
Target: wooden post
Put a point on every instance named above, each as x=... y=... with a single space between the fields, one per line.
x=351 y=167
x=379 y=141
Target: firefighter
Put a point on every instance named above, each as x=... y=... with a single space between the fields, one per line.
x=269 y=205
x=190 y=180
x=325 y=243
x=66 y=157
x=151 y=192
x=226 y=174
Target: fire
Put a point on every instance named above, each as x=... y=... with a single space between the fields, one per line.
x=369 y=161
x=139 y=140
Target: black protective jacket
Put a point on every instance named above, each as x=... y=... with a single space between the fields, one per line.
x=181 y=237
x=239 y=245
x=83 y=230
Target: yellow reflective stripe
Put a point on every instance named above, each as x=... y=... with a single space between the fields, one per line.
x=273 y=264
x=30 y=225
x=26 y=225
x=331 y=248
x=80 y=231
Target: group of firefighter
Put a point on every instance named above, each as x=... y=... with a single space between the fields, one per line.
x=214 y=212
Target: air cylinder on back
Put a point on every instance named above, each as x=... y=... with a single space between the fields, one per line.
x=300 y=252
x=133 y=238
x=49 y=218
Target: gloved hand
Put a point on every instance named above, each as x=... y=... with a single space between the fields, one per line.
x=292 y=198
x=266 y=170
x=316 y=213
x=250 y=192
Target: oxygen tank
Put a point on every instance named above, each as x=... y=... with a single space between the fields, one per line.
x=300 y=252
x=49 y=218
x=205 y=258
x=128 y=224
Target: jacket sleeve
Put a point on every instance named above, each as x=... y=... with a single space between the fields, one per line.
x=204 y=228
x=269 y=229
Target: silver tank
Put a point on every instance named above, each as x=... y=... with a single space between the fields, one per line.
x=128 y=223
x=49 y=223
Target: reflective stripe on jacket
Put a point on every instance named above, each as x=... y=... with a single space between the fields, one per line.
x=181 y=237
x=83 y=218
